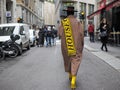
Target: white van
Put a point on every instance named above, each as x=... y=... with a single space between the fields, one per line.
x=32 y=37
x=18 y=29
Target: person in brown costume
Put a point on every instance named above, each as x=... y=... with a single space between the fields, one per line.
x=71 y=62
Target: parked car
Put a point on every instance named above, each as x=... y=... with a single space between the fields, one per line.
x=18 y=29
x=32 y=37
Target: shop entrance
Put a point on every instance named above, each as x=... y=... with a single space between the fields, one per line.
x=116 y=24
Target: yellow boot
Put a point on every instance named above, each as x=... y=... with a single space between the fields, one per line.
x=73 y=82
x=70 y=76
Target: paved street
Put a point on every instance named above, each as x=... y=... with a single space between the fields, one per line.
x=42 y=69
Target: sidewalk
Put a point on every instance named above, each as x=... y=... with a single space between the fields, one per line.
x=112 y=57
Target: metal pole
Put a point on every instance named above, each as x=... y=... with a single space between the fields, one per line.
x=118 y=44
x=114 y=34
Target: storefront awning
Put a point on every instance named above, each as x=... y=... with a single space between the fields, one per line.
x=113 y=4
x=107 y=7
x=94 y=13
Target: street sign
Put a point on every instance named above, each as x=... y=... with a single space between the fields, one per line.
x=8 y=13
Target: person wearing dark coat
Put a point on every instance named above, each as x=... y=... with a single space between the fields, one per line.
x=45 y=35
x=104 y=30
x=41 y=37
x=53 y=37
x=49 y=36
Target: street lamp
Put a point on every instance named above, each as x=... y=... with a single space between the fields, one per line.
x=82 y=15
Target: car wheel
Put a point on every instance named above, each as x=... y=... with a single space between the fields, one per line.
x=14 y=50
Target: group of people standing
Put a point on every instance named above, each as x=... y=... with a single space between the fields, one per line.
x=45 y=36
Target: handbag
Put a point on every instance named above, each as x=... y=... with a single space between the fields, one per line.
x=103 y=34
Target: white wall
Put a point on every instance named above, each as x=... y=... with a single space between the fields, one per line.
x=14 y=13
x=49 y=13
x=3 y=11
x=87 y=1
x=18 y=11
x=57 y=14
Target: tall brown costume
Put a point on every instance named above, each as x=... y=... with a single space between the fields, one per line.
x=72 y=63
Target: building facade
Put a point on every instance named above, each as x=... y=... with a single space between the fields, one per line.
x=49 y=12
x=6 y=11
x=2 y=4
x=110 y=9
x=86 y=6
x=30 y=11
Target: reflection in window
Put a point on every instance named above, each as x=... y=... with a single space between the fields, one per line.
x=6 y=31
x=83 y=7
x=21 y=30
x=91 y=9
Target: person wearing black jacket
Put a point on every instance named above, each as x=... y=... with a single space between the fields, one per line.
x=104 y=30
x=49 y=36
x=41 y=37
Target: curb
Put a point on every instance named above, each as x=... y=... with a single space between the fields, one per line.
x=111 y=60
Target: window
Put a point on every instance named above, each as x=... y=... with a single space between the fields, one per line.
x=50 y=1
x=83 y=7
x=91 y=9
x=6 y=31
x=21 y=30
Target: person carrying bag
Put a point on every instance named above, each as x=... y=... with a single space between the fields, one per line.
x=104 y=30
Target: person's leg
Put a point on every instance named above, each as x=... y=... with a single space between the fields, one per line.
x=102 y=46
x=53 y=41
x=105 y=44
x=90 y=37
x=37 y=42
x=75 y=63
x=102 y=40
x=50 y=41
x=47 y=41
x=93 y=37
x=42 y=41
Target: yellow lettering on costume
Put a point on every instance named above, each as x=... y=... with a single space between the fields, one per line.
x=69 y=37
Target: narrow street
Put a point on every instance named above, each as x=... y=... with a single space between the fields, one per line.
x=42 y=68
x=25 y=23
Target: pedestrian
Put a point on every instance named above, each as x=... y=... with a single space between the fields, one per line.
x=53 y=36
x=72 y=41
x=104 y=32
x=45 y=34
x=37 y=36
x=49 y=36
x=91 y=31
x=41 y=37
